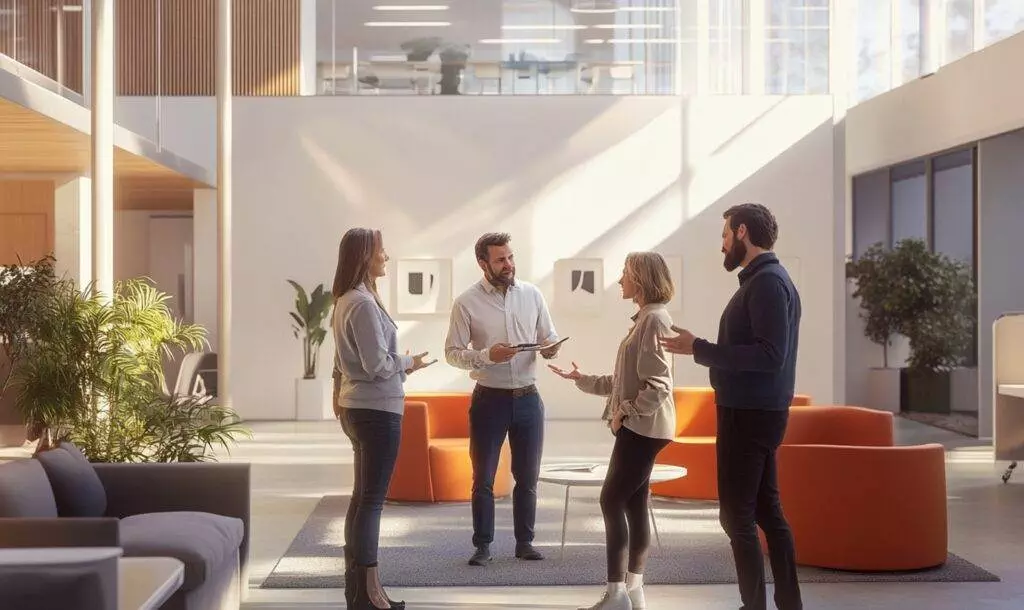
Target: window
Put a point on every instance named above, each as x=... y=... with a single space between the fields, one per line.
x=1002 y=18
x=953 y=200
x=910 y=39
x=873 y=47
x=725 y=38
x=909 y=202
x=959 y=29
x=797 y=46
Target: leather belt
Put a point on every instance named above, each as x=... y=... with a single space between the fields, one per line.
x=514 y=392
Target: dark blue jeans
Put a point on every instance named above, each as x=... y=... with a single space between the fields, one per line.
x=375 y=436
x=493 y=415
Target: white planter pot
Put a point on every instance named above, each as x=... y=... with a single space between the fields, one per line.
x=313 y=400
x=884 y=389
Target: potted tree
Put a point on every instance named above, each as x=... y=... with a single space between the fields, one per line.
x=312 y=394
x=874 y=274
x=939 y=321
x=929 y=299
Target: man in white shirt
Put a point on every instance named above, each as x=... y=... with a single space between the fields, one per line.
x=490 y=323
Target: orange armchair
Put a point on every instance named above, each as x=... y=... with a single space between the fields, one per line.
x=694 y=446
x=433 y=458
x=856 y=502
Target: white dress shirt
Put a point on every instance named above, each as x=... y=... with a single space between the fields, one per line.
x=483 y=316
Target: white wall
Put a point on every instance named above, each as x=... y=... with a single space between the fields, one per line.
x=976 y=97
x=186 y=126
x=568 y=177
x=1000 y=276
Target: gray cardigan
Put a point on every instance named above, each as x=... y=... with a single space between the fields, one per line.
x=641 y=387
x=371 y=369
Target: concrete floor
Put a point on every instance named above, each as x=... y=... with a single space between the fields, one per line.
x=295 y=463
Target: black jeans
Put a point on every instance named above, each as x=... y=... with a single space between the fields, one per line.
x=625 y=498
x=375 y=436
x=748 y=494
x=493 y=414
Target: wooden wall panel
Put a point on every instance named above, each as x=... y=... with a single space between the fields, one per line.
x=26 y=220
x=266 y=47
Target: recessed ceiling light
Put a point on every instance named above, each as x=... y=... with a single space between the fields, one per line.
x=544 y=27
x=594 y=41
x=520 y=41
x=411 y=7
x=406 y=24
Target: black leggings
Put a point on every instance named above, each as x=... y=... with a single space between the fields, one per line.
x=624 y=502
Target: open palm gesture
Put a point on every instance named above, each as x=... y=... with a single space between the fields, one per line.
x=572 y=375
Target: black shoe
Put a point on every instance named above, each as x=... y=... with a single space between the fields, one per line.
x=527 y=552
x=482 y=556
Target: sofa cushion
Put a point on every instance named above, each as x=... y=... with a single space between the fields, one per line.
x=76 y=486
x=204 y=542
x=25 y=490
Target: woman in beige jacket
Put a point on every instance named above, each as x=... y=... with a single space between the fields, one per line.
x=641 y=413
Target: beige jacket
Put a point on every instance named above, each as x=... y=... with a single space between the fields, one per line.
x=641 y=386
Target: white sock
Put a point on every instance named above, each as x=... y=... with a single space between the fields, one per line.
x=634 y=581
x=616 y=587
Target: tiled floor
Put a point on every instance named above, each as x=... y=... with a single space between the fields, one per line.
x=295 y=463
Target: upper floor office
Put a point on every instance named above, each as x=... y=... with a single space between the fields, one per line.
x=857 y=48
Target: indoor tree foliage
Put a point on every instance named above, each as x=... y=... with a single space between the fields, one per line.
x=308 y=322
x=93 y=374
x=923 y=295
x=23 y=291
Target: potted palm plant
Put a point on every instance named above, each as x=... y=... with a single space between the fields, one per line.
x=312 y=394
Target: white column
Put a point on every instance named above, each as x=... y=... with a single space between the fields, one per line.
x=86 y=52
x=204 y=262
x=72 y=230
x=103 y=145
x=224 y=93
x=307 y=48
x=933 y=33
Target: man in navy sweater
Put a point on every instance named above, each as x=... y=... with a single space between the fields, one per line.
x=752 y=369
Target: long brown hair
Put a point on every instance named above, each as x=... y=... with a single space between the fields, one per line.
x=355 y=253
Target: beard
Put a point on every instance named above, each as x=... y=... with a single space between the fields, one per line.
x=500 y=279
x=735 y=255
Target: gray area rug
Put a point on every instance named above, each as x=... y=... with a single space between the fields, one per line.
x=426 y=545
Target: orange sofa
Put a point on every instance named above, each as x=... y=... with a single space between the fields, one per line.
x=433 y=458
x=694 y=445
x=856 y=502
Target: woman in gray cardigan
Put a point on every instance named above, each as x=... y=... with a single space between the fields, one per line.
x=369 y=399
x=641 y=413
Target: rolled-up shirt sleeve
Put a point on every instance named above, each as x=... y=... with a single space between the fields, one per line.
x=598 y=385
x=456 y=345
x=654 y=370
x=363 y=325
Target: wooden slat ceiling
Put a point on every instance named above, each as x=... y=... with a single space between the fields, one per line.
x=31 y=143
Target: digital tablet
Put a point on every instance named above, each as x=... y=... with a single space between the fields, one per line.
x=535 y=347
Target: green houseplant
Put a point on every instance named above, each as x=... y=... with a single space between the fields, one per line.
x=926 y=297
x=312 y=395
x=93 y=374
x=24 y=289
x=308 y=323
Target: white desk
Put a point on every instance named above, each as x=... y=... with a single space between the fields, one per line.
x=145 y=583
x=591 y=474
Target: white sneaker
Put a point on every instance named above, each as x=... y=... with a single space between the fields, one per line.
x=619 y=600
x=636 y=597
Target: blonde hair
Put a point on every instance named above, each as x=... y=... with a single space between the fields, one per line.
x=650 y=273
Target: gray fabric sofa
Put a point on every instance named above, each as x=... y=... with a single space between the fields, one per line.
x=195 y=512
